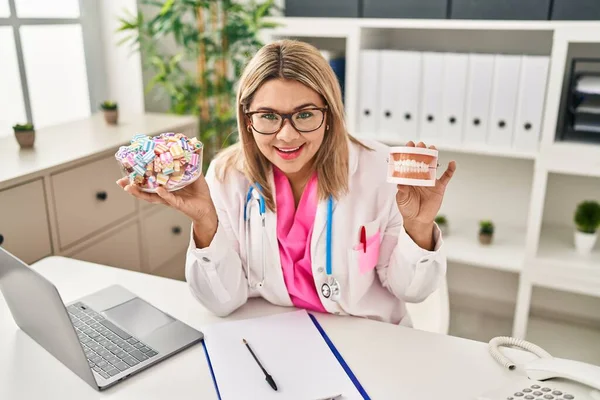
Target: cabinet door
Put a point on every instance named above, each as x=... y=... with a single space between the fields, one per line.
x=121 y=250
x=24 y=222
x=166 y=235
x=88 y=199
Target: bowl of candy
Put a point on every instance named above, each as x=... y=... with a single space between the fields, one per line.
x=171 y=160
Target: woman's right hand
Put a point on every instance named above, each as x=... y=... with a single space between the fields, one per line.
x=193 y=200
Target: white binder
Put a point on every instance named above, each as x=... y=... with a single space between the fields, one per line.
x=530 y=103
x=400 y=77
x=430 y=110
x=479 y=93
x=454 y=91
x=368 y=93
x=504 y=100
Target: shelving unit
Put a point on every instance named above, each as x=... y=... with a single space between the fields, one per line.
x=506 y=254
x=528 y=241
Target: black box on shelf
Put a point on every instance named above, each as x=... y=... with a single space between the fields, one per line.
x=430 y=9
x=576 y=10
x=500 y=9
x=581 y=113
x=322 y=8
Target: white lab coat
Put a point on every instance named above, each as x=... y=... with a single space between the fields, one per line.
x=404 y=271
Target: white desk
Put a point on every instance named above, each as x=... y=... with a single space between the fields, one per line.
x=391 y=362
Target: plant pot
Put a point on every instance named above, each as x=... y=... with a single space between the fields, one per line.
x=485 y=238
x=111 y=116
x=584 y=242
x=25 y=138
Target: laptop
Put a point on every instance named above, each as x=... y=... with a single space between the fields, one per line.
x=104 y=337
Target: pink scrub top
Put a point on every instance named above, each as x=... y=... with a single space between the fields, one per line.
x=294 y=231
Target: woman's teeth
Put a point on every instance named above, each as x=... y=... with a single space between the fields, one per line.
x=288 y=150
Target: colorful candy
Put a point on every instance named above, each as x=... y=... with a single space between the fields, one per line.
x=170 y=160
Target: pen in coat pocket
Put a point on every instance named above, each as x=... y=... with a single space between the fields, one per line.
x=363 y=238
x=336 y=397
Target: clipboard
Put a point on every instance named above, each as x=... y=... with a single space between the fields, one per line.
x=329 y=343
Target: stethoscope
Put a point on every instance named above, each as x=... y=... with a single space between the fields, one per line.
x=331 y=288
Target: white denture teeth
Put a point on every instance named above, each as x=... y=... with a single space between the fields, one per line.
x=407 y=166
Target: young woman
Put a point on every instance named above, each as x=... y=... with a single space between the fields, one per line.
x=299 y=212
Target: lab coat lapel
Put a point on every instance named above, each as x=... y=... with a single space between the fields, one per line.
x=317 y=245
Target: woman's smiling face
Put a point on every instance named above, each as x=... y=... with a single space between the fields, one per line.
x=289 y=150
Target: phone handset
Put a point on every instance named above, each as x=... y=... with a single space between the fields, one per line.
x=546 y=366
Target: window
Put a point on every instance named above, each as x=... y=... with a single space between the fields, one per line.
x=46 y=48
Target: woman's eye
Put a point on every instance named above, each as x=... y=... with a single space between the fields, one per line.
x=305 y=114
x=269 y=116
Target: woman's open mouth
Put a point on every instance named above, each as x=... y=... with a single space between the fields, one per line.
x=289 y=153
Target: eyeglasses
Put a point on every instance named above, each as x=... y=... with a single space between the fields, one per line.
x=271 y=122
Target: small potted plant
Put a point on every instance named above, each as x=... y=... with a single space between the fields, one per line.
x=486 y=231
x=111 y=112
x=587 y=222
x=442 y=223
x=25 y=135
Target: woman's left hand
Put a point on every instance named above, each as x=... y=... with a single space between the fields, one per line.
x=419 y=205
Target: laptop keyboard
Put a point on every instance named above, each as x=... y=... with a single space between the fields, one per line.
x=108 y=348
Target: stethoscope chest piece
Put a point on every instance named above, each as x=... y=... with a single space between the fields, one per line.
x=331 y=289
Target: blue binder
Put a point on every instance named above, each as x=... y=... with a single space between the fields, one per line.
x=334 y=350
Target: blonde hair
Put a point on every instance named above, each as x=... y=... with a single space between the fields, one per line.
x=302 y=62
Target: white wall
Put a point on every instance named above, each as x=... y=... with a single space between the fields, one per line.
x=123 y=68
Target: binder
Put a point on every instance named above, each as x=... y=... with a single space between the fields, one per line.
x=368 y=93
x=399 y=91
x=530 y=102
x=354 y=380
x=504 y=100
x=430 y=109
x=479 y=92
x=454 y=91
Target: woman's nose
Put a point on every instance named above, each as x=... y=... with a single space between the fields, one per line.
x=287 y=133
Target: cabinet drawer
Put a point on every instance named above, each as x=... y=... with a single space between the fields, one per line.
x=121 y=250
x=24 y=222
x=87 y=199
x=166 y=235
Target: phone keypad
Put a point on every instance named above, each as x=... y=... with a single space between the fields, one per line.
x=537 y=392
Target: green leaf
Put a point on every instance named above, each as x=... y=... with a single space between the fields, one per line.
x=166 y=7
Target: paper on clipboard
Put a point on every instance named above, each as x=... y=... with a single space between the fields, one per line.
x=290 y=348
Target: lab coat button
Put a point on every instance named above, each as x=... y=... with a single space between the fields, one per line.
x=205 y=259
x=320 y=269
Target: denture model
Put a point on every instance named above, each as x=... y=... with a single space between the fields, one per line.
x=414 y=166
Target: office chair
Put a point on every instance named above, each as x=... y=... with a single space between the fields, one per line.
x=433 y=314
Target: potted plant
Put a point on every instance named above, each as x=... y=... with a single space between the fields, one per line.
x=25 y=135
x=486 y=231
x=442 y=223
x=218 y=37
x=111 y=112
x=587 y=221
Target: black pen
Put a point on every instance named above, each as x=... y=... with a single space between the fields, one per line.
x=268 y=377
